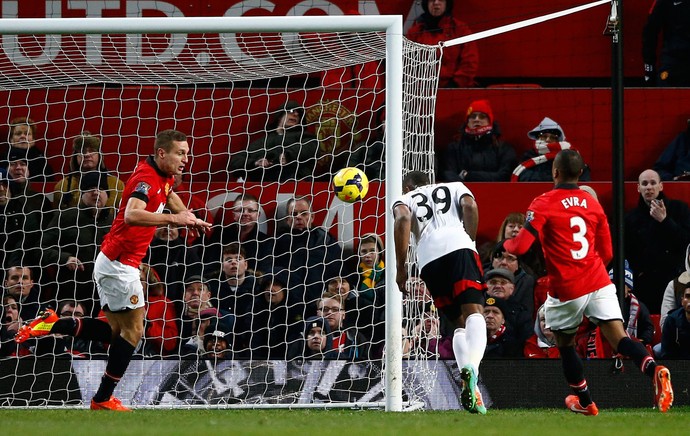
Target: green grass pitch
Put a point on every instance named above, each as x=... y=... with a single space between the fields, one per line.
x=198 y=422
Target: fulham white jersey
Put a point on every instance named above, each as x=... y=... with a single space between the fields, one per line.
x=437 y=224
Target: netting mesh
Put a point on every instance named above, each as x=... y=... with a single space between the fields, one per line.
x=96 y=103
x=173 y=59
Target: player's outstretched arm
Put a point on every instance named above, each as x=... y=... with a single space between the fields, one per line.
x=401 y=236
x=137 y=215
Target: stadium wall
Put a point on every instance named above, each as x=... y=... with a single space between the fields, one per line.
x=170 y=383
x=223 y=120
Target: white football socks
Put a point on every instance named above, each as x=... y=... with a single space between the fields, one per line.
x=460 y=347
x=475 y=334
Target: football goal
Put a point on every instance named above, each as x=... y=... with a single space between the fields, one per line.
x=272 y=107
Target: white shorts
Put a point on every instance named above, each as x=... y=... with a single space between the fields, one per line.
x=119 y=285
x=566 y=316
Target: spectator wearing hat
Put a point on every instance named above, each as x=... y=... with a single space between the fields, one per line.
x=73 y=237
x=286 y=151
x=20 y=227
x=86 y=158
x=479 y=155
x=316 y=341
x=23 y=136
x=501 y=340
x=19 y=175
x=657 y=233
x=460 y=62
x=537 y=163
x=218 y=342
x=500 y=284
x=673 y=294
x=524 y=283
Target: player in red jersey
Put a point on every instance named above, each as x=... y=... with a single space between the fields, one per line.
x=574 y=234
x=116 y=272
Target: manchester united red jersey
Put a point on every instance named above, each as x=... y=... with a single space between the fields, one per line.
x=128 y=243
x=574 y=234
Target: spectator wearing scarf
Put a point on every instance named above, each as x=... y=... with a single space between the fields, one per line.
x=537 y=163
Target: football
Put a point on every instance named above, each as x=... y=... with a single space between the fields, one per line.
x=350 y=184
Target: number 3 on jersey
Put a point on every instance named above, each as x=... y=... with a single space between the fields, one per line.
x=580 y=230
x=423 y=202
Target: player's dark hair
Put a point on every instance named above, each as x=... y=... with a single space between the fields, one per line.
x=415 y=179
x=166 y=138
x=570 y=164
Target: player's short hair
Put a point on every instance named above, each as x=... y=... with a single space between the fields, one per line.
x=569 y=163
x=166 y=138
x=415 y=179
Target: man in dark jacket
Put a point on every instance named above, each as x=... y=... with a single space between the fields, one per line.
x=674 y=162
x=657 y=232
x=479 y=155
x=670 y=17
x=285 y=152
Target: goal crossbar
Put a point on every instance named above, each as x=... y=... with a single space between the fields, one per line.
x=341 y=23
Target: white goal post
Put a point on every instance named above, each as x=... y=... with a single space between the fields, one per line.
x=410 y=88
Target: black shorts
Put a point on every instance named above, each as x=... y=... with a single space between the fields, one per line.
x=455 y=279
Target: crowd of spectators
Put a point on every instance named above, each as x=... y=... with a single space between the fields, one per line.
x=295 y=292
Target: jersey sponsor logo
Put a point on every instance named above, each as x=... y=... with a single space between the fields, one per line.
x=143 y=188
x=530 y=216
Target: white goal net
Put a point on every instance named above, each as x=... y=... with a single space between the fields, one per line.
x=272 y=109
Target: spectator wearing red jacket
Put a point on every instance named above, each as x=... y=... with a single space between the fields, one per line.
x=160 y=331
x=460 y=62
x=542 y=344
